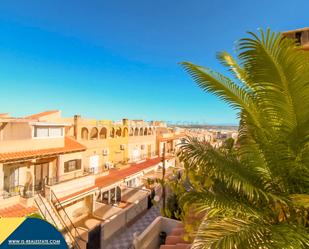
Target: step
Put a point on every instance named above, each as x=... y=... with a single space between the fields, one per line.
x=178 y=231
x=173 y=240
x=183 y=246
x=168 y=247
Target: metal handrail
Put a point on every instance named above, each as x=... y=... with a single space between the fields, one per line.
x=62 y=208
x=65 y=226
x=46 y=209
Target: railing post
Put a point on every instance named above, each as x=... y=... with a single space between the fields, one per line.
x=77 y=235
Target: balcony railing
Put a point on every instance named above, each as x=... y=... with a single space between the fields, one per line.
x=59 y=179
x=144 y=156
x=25 y=192
x=106 y=167
x=94 y=170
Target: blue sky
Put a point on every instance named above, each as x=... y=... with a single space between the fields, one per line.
x=114 y=59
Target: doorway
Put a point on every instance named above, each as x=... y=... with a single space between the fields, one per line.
x=11 y=179
x=40 y=176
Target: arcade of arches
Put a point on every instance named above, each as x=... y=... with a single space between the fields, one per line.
x=94 y=133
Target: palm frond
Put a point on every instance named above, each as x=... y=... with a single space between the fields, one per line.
x=223 y=87
x=289 y=236
x=225 y=169
x=258 y=196
x=233 y=233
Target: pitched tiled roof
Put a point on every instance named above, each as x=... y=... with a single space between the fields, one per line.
x=4 y=115
x=42 y=114
x=70 y=145
x=17 y=210
x=118 y=175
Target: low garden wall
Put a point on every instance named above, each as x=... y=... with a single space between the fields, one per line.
x=150 y=237
x=114 y=224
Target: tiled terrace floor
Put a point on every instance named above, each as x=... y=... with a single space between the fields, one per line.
x=125 y=239
x=17 y=210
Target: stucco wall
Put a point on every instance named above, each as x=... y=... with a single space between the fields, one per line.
x=13 y=131
x=73 y=186
x=77 y=210
x=113 y=225
x=73 y=174
x=18 y=137
x=96 y=147
x=135 y=143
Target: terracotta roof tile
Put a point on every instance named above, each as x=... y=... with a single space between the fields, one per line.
x=118 y=175
x=70 y=145
x=17 y=210
x=42 y=114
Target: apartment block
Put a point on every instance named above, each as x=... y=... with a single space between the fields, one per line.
x=142 y=140
x=77 y=171
x=300 y=35
x=36 y=155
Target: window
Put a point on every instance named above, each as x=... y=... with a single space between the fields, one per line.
x=298 y=37
x=41 y=132
x=72 y=165
x=133 y=183
x=55 y=132
x=48 y=131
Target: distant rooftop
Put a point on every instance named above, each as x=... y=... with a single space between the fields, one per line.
x=42 y=114
x=296 y=30
x=301 y=35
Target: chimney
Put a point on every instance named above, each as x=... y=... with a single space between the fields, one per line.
x=76 y=125
x=125 y=121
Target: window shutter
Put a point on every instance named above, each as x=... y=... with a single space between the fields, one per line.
x=66 y=167
x=79 y=164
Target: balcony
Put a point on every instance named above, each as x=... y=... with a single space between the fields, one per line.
x=71 y=186
x=18 y=190
x=67 y=177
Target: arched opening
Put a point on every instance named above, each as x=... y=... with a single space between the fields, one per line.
x=131 y=132
x=125 y=132
x=149 y=131
x=103 y=133
x=94 y=133
x=84 y=133
x=145 y=132
x=112 y=133
x=141 y=132
x=136 y=132
x=118 y=132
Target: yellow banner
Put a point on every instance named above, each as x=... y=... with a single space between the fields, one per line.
x=8 y=226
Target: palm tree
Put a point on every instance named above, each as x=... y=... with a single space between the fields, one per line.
x=258 y=195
